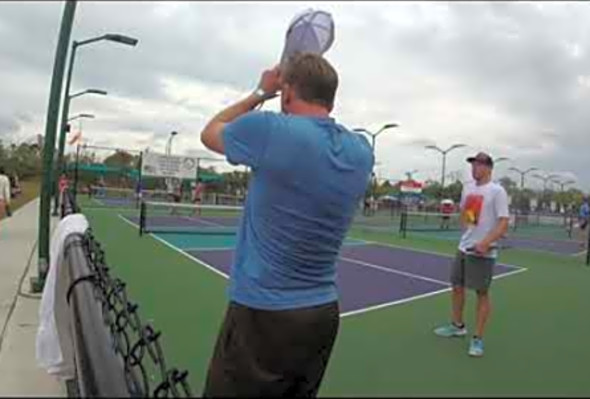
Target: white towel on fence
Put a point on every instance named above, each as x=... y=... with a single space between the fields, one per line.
x=49 y=351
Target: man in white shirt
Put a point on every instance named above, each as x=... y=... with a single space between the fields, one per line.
x=484 y=218
x=4 y=192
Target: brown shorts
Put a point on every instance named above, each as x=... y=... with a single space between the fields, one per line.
x=474 y=272
x=261 y=353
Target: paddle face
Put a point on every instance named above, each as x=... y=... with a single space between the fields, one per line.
x=311 y=31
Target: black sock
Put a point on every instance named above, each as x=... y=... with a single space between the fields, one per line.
x=476 y=337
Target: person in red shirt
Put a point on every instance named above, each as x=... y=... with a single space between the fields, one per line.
x=446 y=209
x=198 y=195
x=63 y=184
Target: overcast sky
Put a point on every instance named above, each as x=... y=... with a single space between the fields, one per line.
x=512 y=79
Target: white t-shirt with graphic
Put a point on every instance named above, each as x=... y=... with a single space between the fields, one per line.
x=481 y=207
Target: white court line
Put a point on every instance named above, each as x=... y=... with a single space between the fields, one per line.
x=346 y=314
x=194 y=219
x=204 y=249
x=198 y=260
x=414 y=298
x=124 y=218
x=182 y=252
x=424 y=251
x=580 y=253
x=394 y=271
x=393 y=303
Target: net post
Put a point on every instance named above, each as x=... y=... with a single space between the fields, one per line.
x=76 y=172
x=588 y=246
x=139 y=189
x=402 y=223
x=141 y=218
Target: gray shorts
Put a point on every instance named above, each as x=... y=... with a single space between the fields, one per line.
x=472 y=271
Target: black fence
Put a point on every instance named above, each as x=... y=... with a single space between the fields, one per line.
x=116 y=353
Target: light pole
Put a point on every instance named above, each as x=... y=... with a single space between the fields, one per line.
x=373 y=142
x=410 y=173
x=168 y=152
x=49 y=146
x=374 y=135
x=562 y=185
x=112 y=37
x=62 y=143
x=73 y=118
x=169 y=142
x=56 y=198
x=545 y=179
x=522 y=173
x=444 y=160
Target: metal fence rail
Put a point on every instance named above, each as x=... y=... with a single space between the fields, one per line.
x=116 y=353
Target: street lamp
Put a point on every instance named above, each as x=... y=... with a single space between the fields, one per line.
x=562 y=185
x=87 y=91
x=169 y=143
x=373 y=139
x=168 y=152
x=444 y=159
x=410 y=173
x=522 y=173
x=58 y=172
x=374 y=135
x=62 y=143
x=73 y=118
x=545 y=179
x=51 y=125
x=112 y=37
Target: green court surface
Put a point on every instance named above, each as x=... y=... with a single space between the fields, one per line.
x=536 y=342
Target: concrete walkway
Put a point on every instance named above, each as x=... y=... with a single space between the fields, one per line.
x=19 y=309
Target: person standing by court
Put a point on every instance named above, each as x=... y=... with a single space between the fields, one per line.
x=5 y=195
x=484 y=218
x=308 y=175
x=198 y=196
x=583 y=219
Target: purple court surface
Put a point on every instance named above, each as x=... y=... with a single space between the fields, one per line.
x=372 y=275
x=561 y=247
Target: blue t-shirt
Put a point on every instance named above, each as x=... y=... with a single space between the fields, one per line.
x=308 y=175
x=585 y=211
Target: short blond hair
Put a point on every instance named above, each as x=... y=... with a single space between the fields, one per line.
x=313 y=78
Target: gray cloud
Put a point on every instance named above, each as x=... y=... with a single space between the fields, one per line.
x=509 y=78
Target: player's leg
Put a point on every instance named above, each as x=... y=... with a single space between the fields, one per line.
x=457 y=326
x=479 y=278
x=582 y=235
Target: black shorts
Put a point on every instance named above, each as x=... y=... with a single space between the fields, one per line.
x=261 y=353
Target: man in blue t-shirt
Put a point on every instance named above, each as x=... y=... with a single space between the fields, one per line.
x=583 y=219
x=308 y=176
